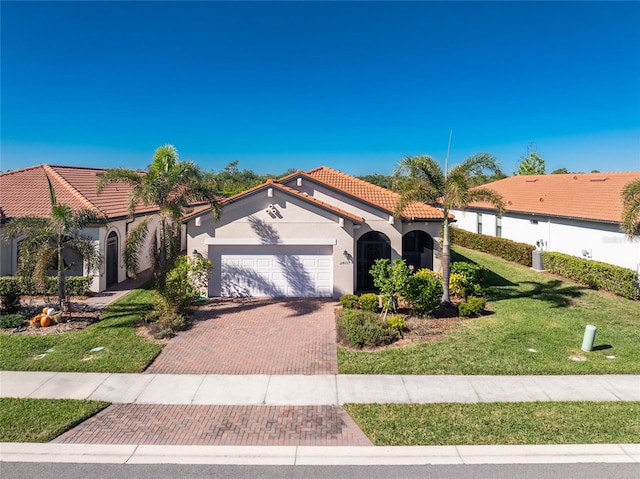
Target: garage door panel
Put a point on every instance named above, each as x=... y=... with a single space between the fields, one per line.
x=290 y=275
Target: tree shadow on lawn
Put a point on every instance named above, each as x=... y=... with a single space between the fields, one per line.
x=553 y=291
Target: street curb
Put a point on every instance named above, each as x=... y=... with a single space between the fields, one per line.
x=319 y=455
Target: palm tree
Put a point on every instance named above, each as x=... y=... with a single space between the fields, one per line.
x=45 y=240
x=171 y=185
x=421 y=179
x=630 y=222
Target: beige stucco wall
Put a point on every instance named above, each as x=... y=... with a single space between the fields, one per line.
x=295 y=222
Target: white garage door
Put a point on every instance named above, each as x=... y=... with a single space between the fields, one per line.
x=282 y=275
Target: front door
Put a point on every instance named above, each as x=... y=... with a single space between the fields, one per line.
x=112 y=259
x=371 y=246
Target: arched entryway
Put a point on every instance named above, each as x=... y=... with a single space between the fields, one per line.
x=111 y=262
x=371 y=246
x=417 y=250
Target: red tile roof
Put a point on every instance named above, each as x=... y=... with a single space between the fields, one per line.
x=593 y=196
x=375 y=195
x=25 y=192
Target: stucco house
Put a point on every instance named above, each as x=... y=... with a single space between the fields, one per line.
x=577 y=214
x=25 y=192
x=310 y=234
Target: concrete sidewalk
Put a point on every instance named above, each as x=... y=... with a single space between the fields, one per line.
x=314 y=390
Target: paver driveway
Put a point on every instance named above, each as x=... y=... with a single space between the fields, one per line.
x=255 y=336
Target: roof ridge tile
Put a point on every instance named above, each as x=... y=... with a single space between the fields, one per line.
x=83 y=199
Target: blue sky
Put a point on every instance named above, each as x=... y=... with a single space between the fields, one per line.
x=354 y=86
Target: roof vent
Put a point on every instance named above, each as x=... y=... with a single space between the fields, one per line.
x=601 y=178
x=575 y=177
x=531 y=180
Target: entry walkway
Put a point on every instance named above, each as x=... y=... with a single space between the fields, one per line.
x=330 y=389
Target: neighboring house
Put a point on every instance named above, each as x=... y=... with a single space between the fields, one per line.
x=577 y=214
x=25 y=192
x=313 y=234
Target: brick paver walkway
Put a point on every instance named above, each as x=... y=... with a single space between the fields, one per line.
x=255 y=336
x=219 y=426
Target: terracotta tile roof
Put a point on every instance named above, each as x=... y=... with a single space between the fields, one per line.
x=25 y=192
x=375 y=195
x=274 y=184
x=594 y=196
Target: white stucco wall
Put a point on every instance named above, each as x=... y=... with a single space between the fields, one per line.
x=601 y=241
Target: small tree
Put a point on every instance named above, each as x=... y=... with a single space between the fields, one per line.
x=46 y=239
x=532 y=164
x=391 y=280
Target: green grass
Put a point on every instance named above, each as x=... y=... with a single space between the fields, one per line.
x=124 y=351
x=41 y=420
x=499 y=423
x=530 y=311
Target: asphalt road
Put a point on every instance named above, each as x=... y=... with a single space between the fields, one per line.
x=14 y=470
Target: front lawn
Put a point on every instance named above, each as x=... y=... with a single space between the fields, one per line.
x=499 y=423
x=41 y=420
x=536 y=327
x=123 y=351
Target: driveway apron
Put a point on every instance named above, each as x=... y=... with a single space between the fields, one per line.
x=255 y=336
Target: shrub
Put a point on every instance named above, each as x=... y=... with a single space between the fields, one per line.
x=185 y=281
x=503 y=248
x=396 y=323
x=11 y=320
x=423 y=293
x=74 y=285
x=615 y=279
x=469 y=279
x=391 y=280
x=473 y=306
x=363 y=328
x=349 y=301
x=369 y=302
x=10 y=293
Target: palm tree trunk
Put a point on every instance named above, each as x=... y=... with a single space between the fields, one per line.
x=162 y=266
x=446 y=260
x=62 y=290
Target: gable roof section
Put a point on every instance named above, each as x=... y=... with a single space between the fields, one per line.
x=589 y=196
x=374 y=195
x=25 y=192
x=291 y=191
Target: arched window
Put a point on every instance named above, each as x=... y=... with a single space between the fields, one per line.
x=417 y=250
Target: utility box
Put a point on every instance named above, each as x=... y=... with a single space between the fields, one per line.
x=536 y=260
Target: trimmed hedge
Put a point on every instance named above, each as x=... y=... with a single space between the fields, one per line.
x=503 y=248
x=75 y=285
x=614 y=279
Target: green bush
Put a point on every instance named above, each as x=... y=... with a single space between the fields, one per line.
x=185 y=281
x=423 y=292
x=503 y=248
x=11 y=320
x=397 y=324
x=369 y=302
x=473 y=306
x=391 y=280
x=363 y=328
x=615 y=279
x=468 y=279
x=74 y=285
x=349 y=301
x=10 y=293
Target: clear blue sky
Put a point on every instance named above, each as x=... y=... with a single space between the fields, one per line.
x=354 y=86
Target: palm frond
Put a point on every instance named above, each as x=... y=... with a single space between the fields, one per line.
x=24 y=226
x=87 y=251
x=133 y=245
x=488 y=195
x=119 y=175
x=630 y=220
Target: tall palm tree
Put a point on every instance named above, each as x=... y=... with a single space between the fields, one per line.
x=45 y=240
x=171 y=185
x=630 y=221
x=421 y=179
